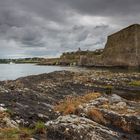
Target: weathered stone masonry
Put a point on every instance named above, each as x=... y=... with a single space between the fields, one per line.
x=122 y=49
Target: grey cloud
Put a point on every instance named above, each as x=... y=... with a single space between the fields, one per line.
x=42 y=53
x=105 y=7
x=39 y=27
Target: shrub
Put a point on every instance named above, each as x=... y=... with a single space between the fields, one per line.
x=125 y=126
x=96 y=115
x=3 y=114
x=25 y=133
x=70 y=104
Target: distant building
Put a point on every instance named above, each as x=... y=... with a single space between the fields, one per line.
x=79 y=50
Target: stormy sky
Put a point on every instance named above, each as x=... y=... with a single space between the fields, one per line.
x=46 y=28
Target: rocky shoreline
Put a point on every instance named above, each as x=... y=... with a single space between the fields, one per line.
x=33 y=98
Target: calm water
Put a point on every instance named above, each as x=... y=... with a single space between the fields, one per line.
x=14 y=71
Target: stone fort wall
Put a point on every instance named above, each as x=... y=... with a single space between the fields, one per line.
x=122 y=49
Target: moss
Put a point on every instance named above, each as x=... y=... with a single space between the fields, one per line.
x=134 y=83
x=9 y=133
x=15 y=134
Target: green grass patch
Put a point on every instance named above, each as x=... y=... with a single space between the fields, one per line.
x=15 y=134
x=40 y=127
x=135 y=83
x=9 y=133
x=108 y=89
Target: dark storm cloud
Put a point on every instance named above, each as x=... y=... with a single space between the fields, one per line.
x=105 y=7
x=39 y=27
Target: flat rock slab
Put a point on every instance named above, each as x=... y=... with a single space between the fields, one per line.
x=72 y=127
